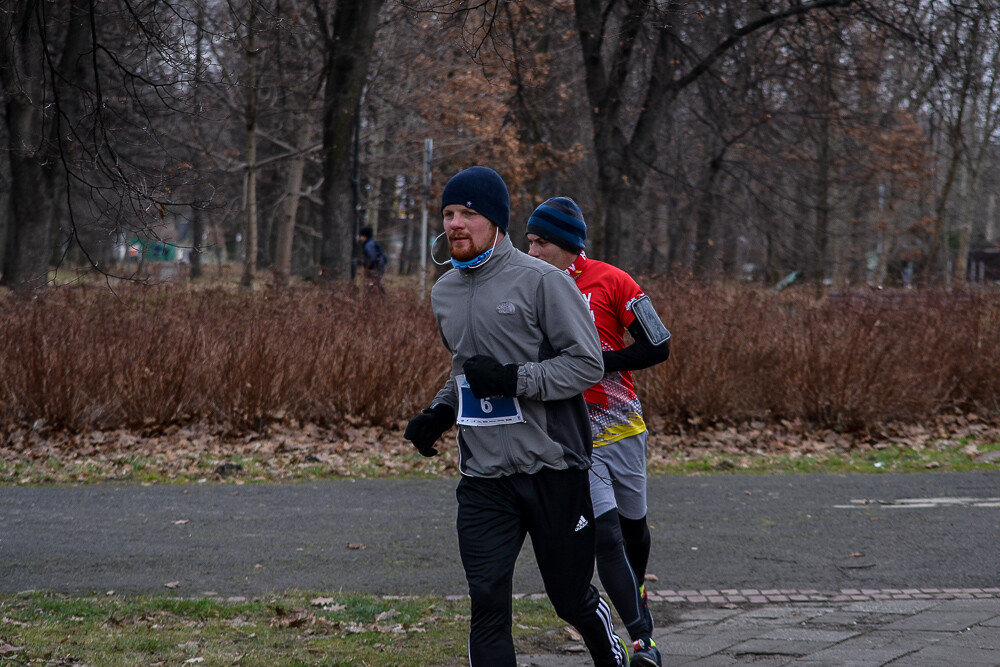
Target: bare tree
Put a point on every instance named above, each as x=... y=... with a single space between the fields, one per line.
x=631 y=101
x=31 y=83
x=849 y=137
x=966 y=45
x=348 y=31
x=87 y=159
x=252 y=97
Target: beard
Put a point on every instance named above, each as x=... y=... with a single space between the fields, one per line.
x=467 y=251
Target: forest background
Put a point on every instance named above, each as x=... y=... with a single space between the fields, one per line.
x=720 y=151
x=851 y=142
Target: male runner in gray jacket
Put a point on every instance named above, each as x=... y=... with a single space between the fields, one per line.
x=523 y=349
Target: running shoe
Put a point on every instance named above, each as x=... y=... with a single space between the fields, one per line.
x=645 y=654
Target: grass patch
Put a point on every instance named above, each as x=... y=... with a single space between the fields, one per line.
x=289 y=629
x=947 y=457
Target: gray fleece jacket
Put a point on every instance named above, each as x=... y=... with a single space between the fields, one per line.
x=519 y=309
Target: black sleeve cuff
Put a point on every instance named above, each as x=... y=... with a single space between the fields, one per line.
x=510 y=379
x=640 y=354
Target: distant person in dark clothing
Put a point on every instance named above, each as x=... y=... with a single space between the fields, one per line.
x=373 y=260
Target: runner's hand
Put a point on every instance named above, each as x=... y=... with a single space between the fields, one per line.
x=488 y=377
x=424 y=429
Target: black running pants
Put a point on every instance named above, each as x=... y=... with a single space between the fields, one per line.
x=554 y=508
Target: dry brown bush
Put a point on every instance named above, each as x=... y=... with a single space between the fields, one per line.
x=84 y=359
x=843 y=361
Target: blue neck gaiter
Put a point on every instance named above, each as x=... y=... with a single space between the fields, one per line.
x=472 y=263
x=477 y=261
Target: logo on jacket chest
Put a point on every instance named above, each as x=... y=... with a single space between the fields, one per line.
x=506 y=308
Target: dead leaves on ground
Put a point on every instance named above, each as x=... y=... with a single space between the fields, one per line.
x=203 y=452
x=206 y=452
x=312 y=622
x=6 y=649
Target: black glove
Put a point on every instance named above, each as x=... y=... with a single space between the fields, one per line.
x=488 y=377
x=424 y=429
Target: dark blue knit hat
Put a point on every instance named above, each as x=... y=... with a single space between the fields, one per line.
x=482 y=190
x=559 y=220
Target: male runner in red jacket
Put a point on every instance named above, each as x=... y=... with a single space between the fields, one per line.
x=557 y=234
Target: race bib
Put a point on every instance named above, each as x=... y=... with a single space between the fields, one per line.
x=491 y=411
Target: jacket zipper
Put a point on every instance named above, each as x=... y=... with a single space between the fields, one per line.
x=501 y=428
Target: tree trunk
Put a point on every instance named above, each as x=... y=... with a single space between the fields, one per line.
x=250 y=231
x=348 y=51
x=29 y=220
x=964 y=228
x=293 y=194
x=955 y=136
x=992 y=224
x=409 y=259
x=624 y=161
x=27 y=248
x=704 y=258
x=197 y=232
x=386 y=188
x=197 y=211
x=799 y=256
x=821 y=232
x=606 y=74
x=377 y=147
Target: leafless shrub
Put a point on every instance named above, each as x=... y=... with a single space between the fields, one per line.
x=846 y=361
x=83 y=359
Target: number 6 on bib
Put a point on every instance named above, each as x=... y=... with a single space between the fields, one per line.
x=492 y=411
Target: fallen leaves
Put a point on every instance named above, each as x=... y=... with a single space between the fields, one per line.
x=319 y=622
x=328 y=604
x=201 y=452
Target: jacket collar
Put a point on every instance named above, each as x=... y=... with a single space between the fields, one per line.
x=493 y=265
x=579 y=264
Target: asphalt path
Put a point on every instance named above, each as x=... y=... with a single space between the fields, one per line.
x=398 y=537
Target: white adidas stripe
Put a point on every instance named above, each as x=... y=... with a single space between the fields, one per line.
x=604 y=611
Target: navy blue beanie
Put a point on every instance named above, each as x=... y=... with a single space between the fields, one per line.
x=482 y=190
x=559 y=220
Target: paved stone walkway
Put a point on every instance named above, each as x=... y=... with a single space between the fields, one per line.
x=763 y=596
x=946 y=628
x=755 y=596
